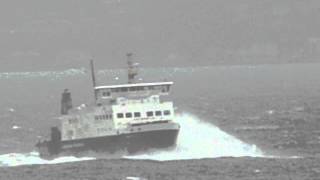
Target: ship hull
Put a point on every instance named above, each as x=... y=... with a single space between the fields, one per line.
x=130 y=143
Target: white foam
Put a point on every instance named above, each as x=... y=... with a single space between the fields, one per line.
x=16 y=127
x=17 y=159
x=134 y=178
x=199 y=140
x=270 y=112
x=11 y=110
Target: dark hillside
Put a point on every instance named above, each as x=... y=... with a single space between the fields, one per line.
x=59 y=34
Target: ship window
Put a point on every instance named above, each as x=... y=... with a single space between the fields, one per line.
x=164 y=90
x=120 y=115
x=105 y=116
x=128 y=115
x=140 y=88
x=124 y=89
x=167 y=113
x=137 y=114
x=151 y=88
x=110 y=116
x=157 y=87
x=133 y=88
x=158 y=113
x=150 y=113
x=114 y=90
x=106 y=94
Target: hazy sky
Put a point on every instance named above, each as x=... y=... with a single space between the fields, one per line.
x=60 y=34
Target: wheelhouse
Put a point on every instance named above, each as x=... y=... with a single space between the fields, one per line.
x=139 y=90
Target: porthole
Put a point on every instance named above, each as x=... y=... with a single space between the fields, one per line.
x=158 y=113
x=128 y=115
x=167 y=113
x=137 y=114
x=120 y=115
x=149 y=113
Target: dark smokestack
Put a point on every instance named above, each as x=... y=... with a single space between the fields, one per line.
x=66 y=102
x=132 y=69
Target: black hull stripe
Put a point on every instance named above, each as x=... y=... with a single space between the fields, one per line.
x=132 y=143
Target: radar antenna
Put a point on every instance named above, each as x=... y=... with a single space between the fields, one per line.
x=93 y=75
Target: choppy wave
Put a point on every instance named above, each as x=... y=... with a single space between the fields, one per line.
x=18 y=159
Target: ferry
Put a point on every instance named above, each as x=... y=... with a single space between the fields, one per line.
x=132 y=117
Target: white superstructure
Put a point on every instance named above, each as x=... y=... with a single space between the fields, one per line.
x=120 y=109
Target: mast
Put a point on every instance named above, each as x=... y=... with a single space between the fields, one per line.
x=93 y=78
x=132 y=69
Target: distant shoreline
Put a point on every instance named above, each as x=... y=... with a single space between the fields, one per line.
x=84 y=68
